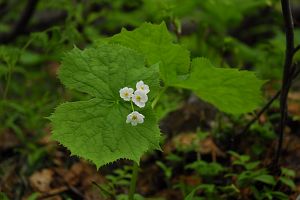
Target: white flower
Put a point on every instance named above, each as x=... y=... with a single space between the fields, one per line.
x=142 y=86
x=135 y=118
x=126 y=93
x=140 y=98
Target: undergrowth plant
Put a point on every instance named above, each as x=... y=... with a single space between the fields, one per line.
x=244 y=178
x=118 y=178
x=118 y=123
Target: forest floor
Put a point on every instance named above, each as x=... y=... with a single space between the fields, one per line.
x=56 y=175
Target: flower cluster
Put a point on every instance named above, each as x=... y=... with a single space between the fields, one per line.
x=139 y=98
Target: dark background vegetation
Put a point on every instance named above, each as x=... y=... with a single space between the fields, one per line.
x=202 y=146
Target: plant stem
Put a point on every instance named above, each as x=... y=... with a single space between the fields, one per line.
x=135 y=165
x=10 y=68
x=132 y=107
x=158 y=97
x=133 y=181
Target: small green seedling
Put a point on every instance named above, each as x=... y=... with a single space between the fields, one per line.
x=118 y=178
x=167 y=170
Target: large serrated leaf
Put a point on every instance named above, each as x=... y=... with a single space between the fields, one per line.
x=230 y=90
x=96 y=129
x=156 y=44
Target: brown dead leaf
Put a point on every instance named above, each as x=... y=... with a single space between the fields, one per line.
x=90 y=174
x=294 y=96
x=9 y=177
x=41 y=181
x=74 y=174
x=8 y=140
x=54 y=193
x=56 y=197
x=186 y=141
x=263 y=118
x=68 y=176
x=168 y=194
x=294 y=103
x=148 y=184
x=79 y=178
x=93 y=193
x=208 y=146
x=190 y=142
x=191 y=180
x=294 y=108
x=51 y=68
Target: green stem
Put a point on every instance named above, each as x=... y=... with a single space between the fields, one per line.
x=133 y=181
x=10 y=68
x=26 y=45
x=132 y=107
x=158 y=97
x=135 y=165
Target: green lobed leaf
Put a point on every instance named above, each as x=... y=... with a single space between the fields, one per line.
x=288 y=181
x=230 y=90
x=96 y=129
x=156 y=44
x=288 y=172
x=265 y=178
x=9 y=55
x=278 y=195
x=3 y=196
x=208 y=188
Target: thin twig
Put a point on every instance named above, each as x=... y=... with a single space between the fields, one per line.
x=294 y=73
x=245 y=130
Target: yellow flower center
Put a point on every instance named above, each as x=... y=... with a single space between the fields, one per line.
x=138 y=98
x=134 y=117
x=126 y=94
